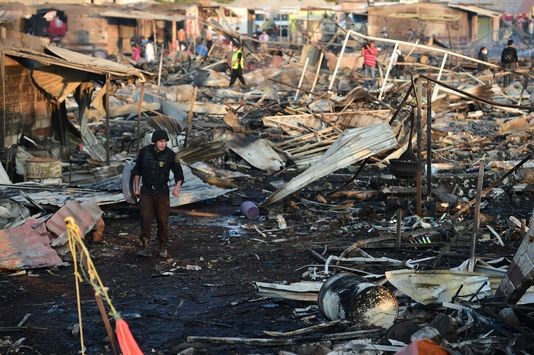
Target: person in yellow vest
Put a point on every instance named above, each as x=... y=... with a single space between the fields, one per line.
x=237 y=65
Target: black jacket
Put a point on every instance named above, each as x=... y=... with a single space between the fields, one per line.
x=154 y=167
x=509 y=55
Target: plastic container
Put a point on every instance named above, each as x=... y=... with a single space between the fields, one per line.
x=350 y=297
x=250 y=210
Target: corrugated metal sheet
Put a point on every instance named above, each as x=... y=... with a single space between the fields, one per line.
x=142 y=15
x=58 y=85
x=169 y=124
x=104 y=65
x=77 y=61
x=194 y=189
x=23 y=248
x=85 y=214
x=59 y=198
x=257 y=153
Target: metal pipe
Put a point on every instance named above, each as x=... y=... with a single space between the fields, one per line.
x=301 y=78
x=418 y=178
x=139 y=110
x=316 y=74
x=339 y=61
x=390 y=64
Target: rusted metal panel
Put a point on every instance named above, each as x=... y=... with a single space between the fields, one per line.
x=85 y=214
x=104 y=65
x=58 y=84
x=23 y=247
x=69 y=59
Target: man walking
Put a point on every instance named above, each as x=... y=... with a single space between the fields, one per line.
x=237 y=66
x=509 y=61
x=154 y=163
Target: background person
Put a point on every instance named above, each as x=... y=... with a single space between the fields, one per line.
x=509 y=61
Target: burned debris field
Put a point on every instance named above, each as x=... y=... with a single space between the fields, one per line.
x=345 y=190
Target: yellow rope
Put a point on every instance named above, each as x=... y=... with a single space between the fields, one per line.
x=76 y=245
x=78 y=279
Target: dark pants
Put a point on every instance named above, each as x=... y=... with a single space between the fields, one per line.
x=236 y=74
x=155 y=201
x=508 y=78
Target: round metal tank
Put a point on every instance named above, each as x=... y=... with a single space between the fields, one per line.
x=347 y=296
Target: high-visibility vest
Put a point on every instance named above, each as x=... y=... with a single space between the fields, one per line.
x=235 y=61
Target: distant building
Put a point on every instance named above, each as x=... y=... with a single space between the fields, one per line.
x=460 y=23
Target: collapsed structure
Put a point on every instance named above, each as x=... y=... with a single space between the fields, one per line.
x=432 y=166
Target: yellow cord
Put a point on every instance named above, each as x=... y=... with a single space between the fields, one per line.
x=76 y=242
x=94 y=279
x=78 y=279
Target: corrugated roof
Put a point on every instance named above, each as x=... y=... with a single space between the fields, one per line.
x=85 y=214
x=475 y=9
x=58 y=84
x=70 y=59
x=142 y=15
x=24 y=248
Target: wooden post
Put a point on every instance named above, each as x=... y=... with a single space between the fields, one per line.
x=108 y=92
x=428 y=140
x=154 y=34
x=476 y=222
x=339 y=61
x=160 y=66
x=3 y=74
x=190 y=115
x=139 y=109
x=173 y=36
x=390 y=64
x=399 y=225
x=418 y=178
x=301 y=78
x=523 y=228
x=316 y=74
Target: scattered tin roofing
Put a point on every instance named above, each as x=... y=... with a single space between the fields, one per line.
x=69 y=59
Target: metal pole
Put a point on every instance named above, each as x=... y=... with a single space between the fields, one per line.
x=3 y=74
x=418 y=178
x=477 y=216
x=428 y=141
x=139 y=109
x=399 y=225
x=108 y=92
x=317 y=73
x=436 y=88
x=339 y=61
x=390 y=64
x=301 y=78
